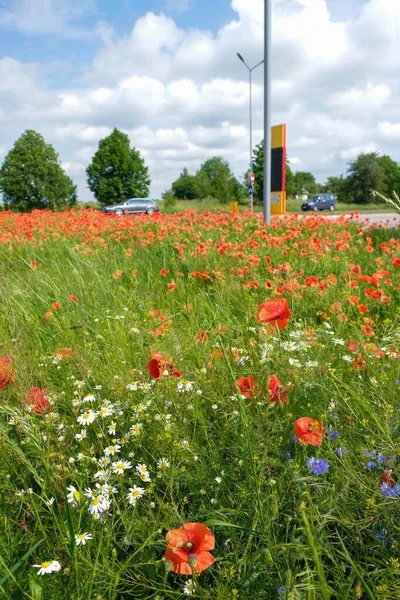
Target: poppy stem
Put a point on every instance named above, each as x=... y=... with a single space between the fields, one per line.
x=323 y=586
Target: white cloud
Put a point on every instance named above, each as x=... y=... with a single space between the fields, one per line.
x=183 y=96
x=37 y=17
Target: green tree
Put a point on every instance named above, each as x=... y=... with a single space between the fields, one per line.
x=117 y=171
x=258 y=170
x=223 y=184
x=392 y=175
x=304 y=180
x=202 y=185
x=366 y=173
x=32 y=177
x=184 y=187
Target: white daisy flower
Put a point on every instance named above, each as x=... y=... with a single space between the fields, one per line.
x=133 y=386
x=50 y=566
x=136 y=428
x=98 y=505
x=89 y=398
x=50 y=502
x=163 y=463
x=82 y=538
x=87 y=417
x=134 y=494
x=81 y=436
x=74 y=496
x=189 y=588
x=119 y=467
x=112 y=428
x=106 y=410
x=111 y=450
x=102 y=474
x=104 y=461
x=79 y=384
x=218 y=479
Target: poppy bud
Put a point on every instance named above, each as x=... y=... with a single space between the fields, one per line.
x=192 y=560
x=168 y=564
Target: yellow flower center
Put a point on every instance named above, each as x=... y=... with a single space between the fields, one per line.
x=46 y=564
x=76 y=495
x=95 y=501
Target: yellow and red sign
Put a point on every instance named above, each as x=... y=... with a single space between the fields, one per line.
x=278 y=170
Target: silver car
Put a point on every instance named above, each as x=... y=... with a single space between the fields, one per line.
x=132 y=206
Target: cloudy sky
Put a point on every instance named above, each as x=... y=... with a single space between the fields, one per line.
x=166 y=73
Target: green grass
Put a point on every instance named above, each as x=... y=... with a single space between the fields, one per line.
x=233 y=461
x=292 y=206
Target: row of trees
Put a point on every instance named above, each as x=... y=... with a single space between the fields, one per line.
x=214 y=179
x=32 y=177
x=367 y=172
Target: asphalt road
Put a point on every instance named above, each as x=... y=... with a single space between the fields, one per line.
x=384 y=219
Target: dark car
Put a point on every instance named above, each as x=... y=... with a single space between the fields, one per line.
x=132 y=206
x=319 y=202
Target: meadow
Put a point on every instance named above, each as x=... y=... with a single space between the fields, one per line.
x=199 y=405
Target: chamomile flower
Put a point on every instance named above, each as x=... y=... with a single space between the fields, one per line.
x=50 y=502
x=163 y=463
x=89 y=398
x=81 y=436
x=120 y=467
x=87 y=417
x=111 y=450
x=112 y=428
x=49 y=566
x=106 y=410
x=134 y=494
x=143 y=472
x=136 y=428
x=102 y=474
x=74 y=496
x=79 y=384
x=82 y=538
x=189 y=588
x=98 y=505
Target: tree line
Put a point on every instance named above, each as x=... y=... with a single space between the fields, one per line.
x=31 y=177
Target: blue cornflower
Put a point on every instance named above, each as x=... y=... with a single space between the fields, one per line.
x=287 y=455
x=380 y=536
x=372 y=465
x=281 y=590
x=342 y=452
x=333 y=434
x=318 y=466
x=392 y=491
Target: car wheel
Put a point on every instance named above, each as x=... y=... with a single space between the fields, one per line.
x=150 y=211
x=315 y=209
x=331 y=208
x=119 y=212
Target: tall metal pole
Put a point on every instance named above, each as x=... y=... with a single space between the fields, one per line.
x=251 y=145
x=267 y=112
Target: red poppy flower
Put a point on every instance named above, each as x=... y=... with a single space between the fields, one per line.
x=387 y=477
x=37 y=400
x=353 y=299
x=246 y=385
x=362 y=308
x=190 y=543
x=163 y=272
x=34 y=264
x=56 y=305
x=171 y=286
x=201 y=337
x=310 y=431
x=117 y=274
x=276 y=312
x=64 y=353
x=158 y=364
x=73 y=298
x=277 y=391
x=7 y=375
x=47 y=316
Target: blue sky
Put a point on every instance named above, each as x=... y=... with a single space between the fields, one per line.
x=166 y=73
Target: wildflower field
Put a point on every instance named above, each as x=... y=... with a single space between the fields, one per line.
x=197 y=404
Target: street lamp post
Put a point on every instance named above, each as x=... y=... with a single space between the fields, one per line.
x=250 y=70
x=267 y=112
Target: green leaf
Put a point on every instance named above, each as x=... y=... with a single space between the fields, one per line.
x=20 y=562
x=217 y=522
x=70 y=525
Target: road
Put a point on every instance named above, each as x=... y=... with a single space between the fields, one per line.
x=384 y=219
